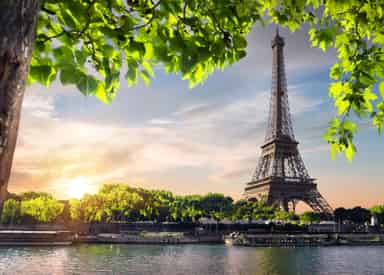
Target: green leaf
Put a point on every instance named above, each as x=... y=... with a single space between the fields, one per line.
x=350 y=151
x=378 y=122
x=81 y=56
x=109 y=51
x=136 y=50
x=381 y=89
x=342 y=105
x=329 y=134
x=335 y=123
x=132 y=73
x=69 y=75
x=241 y=54
x=334 y=150
x=349 y=126
x=239 y=42
x=87 y=84
x=335 y=72
x=149 y=51
x=148 y=68
x=335 y=89
x=63 y=54
x=146 y=77
x=67 y=18
x=44 y=74
x=102 y=94
x=324 y=37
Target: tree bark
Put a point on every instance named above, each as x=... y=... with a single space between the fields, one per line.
x=18 y=20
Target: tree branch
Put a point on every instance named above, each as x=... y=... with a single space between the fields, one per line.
x=150 y=20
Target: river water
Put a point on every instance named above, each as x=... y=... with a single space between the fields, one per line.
x=190 y=259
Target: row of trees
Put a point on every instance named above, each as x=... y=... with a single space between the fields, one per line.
x=359 y=215
x=31 y=207
x=122 y=203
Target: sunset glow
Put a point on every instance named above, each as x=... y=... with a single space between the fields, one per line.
x=76 y=188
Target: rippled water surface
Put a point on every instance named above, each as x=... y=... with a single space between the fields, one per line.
x=190 y=259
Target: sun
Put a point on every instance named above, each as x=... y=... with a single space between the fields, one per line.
x=77 y=187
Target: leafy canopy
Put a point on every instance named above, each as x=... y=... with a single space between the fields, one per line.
x=38 y=208
x=89 y=43
x=121 y=203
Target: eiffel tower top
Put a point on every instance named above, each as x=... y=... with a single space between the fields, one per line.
x=279 y=120
x=277 y=39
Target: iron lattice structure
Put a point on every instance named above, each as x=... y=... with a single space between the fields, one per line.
x=281 y=177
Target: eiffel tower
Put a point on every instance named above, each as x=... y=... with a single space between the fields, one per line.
x=280 y=177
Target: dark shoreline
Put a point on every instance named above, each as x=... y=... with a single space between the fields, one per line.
x=60 y=238
x=323 y=239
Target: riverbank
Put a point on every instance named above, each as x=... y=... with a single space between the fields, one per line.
x=293 y=240
x=56 y=238
x=175 y=233
x=60 y=238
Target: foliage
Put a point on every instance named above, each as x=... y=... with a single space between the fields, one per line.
x=357 y=215
x=193 y=207
x=120 y=202
x=94 y=39
x=33 y=195
x=88 y=43
x=186 y=209
x=309 y=217
x=378 y=210
x=31 y=207
x=257 y=210
x=284 y=216
x=217 y=206
x=341 y=214
x=75 y=210
x=11 y=212
x=41 y=209
x=113 y=202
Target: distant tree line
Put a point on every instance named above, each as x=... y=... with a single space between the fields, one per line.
x=122 y=203
x=31 y=207
x=359 y=215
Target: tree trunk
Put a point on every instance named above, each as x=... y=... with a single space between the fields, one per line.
x=17 y=35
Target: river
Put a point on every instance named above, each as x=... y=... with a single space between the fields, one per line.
x=190 y=259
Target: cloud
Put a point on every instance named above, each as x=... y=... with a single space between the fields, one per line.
x=161 y=121
x=38 y=106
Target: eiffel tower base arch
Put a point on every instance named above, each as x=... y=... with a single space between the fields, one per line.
x=286 y=195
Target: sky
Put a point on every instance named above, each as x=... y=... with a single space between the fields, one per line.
x=167 y=136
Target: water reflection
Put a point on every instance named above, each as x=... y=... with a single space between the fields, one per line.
x=190 y=259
